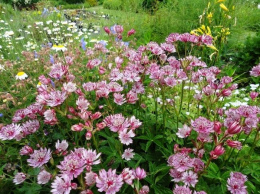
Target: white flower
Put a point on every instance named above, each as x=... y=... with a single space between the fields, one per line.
x=59 y=48
x=21 y=75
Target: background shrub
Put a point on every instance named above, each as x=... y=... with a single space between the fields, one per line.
x=112 y=4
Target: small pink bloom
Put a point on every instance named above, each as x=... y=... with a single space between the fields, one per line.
x=128 y=176
x=39 y=157
x=26 y=150
x=128 y=154
x=139 y=173
x=234 y=128
x=130 y=32
x=19 y=178
x=107 y=30
x=190 y=178
x=125 y=136
x=109 y=181
x=88 y=135
x=184 y=131
x=234 y=144
x=217 y=127
x=61 y=146
x=90 y=178
x=43 y=177
x=77 y=127
x=218 y=151
x=144 y=190
x=182 y=190
x=253 y=95
x=61 y=185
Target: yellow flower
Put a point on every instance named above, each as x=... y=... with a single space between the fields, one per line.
x=21 y=75
x=39 y=12
x=222 y=6
x=212 y=47
x=59 y=48
x=210 y=15
x=39 y=84
x=220 y=1
x=208 y=31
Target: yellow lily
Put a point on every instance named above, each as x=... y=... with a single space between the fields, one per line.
x=222 y=6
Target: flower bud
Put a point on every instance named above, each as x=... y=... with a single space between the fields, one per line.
x=234 y=144
x=218 y=151
x=101 y=125
x=107 y=30
x=234 y=128
x=253 y=95
x=226 y=92
x=217 y=127
x=88 y=135
x=139 y=173
x=78 y=127
x=130 y=32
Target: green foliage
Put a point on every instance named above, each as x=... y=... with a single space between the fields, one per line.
x=112 y=4
x=248 y=55
x=74 y=1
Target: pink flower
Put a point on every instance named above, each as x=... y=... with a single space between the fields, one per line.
x=184 y=131
x=217 y=127
x=107 y=30
x=93 y=63
x=253 y=95
x=182 y=190
x=61 y=185
x=180 y=161
x=128 y=154
x=43 y=177
x=77 y=127
x=119 y=98
x=235 y=183
x=30 y=126
x=72 y=165
x=9 y=132
x=91 y=157
x=56 y=98
x=26 y=150
x=118 y=29
x=176 y=175
x=109 y=182
x=144 y=190
x=134 y=123
x=90 y=178
x=69 y=87
x=234 y=128
x=50 y=117
x=190 y=178
x=90 y=86
x=234 y=144
x=39 y=157
x=82 y=103
x=202 y=125
x=198 y=165
x=255 y=72
x=218 y=151
x=126 y=137
x=128 y=176
x=19 y=178
x=139 y=173
x=130 y=32
x=131 y=97
x=116 y=122
x=61 y=146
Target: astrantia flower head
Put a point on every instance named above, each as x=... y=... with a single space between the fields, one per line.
x=21 y=75
x=128 y=176
x=202 y=125
x=19 y=178
x=109 y=181
x=61 y=146
x=90 y=178
x=182 y=190
x=139 y=173
x=91 y=157
x=190 y=178
x=180 y=161
x=39 y=157
x=43 y=177
x=125 y=136
x=61 y=185
x=184 y=131
x=236 y=183
x=116 y=122
x=9 y=132
x=128 y=154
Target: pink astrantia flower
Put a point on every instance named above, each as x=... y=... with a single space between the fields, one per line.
x=39 y=157
x=69 y=87
x=61 y=146
x=236 y=183
x=30 y=127
x=90 y=178
x=218 y=151
x=128 y=154
x=9 y=132
x=116 y=122
x=91 y=157
x=109 y=181
x=19 y=178
x=180 y=161
x=26 y=150
x=190 y=178
x=182 y=190
x=202 y=125
x=72 y=165
x=119 y=98
x=128 y=176
x=255 y=72
x=82 y=103
x=184 y=131
x=56 y=98
x=50 y=117
x=61 y=185
x=176 y=175
x=139 y=173
x=234 y=144
x=144 y=190
x=125 y=136
x=43 y=177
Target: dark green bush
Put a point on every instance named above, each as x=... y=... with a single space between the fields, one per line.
x=248 y=55
x=22 y=3
x=75 y=1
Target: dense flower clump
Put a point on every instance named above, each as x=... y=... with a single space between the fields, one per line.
x=98 y=120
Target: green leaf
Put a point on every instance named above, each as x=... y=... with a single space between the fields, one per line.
x=213 y=171
x=32 y=188
x=148 y=144
x=250 y=187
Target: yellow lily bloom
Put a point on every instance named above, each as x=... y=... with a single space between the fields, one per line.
x=222 y=6
x=212 y=47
